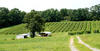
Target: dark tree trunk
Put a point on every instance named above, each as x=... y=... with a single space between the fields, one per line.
x=33 y=34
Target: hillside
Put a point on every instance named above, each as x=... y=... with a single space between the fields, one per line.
x=17 y=29
x=58 y=41
x=71 y=27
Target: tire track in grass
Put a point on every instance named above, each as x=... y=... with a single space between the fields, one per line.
x=80 y=41
x=73 y=48
x=80 y=47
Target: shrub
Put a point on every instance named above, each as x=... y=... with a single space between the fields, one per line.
x=96 y=31
x=72 y=33
x=87 y=32
x=80 y=32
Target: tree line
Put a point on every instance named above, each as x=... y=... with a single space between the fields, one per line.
x=16 y=16
x=10 y=17
x=81 y=14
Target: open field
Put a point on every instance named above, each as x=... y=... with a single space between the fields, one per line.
x=58 y=42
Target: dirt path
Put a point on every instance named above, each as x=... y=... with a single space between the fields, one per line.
x=72 y=44
x=80 y=41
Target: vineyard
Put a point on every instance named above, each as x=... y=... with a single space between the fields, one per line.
x=74 y=27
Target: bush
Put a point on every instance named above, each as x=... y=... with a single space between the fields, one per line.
x=96 y=31
x=72 y=33
x=80 y=32
x=75 y=32
x=87 y=32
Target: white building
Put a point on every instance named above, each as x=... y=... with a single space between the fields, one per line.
x=22 y=36
x=45 y=34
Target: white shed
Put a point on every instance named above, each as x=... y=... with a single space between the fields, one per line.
x=45 y=34
x=22 y=36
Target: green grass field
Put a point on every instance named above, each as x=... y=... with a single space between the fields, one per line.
x=17 y=29
x=58 y=42
x=80 y=47
x=92 y=39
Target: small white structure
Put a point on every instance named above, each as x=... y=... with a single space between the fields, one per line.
x=22 y=36
x=45 y=34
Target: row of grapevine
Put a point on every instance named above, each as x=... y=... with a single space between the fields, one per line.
x=82 y=26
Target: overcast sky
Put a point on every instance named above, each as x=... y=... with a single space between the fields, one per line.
x=27 y=5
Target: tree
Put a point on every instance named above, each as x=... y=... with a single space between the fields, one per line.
x=35 y=23
x=80 y=14
x=95 y=12
x=4 y=17
x=51 y=15
x=22 y=15
x=14 y=16
x=68 y=18
x=64 y=13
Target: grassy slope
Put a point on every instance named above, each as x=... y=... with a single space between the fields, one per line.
x=18 y=29
x=58 y=42
x=92 y=39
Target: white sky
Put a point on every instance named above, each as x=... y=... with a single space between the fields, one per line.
x=39 y=5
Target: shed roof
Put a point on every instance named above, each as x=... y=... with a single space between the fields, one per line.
x=47 y=33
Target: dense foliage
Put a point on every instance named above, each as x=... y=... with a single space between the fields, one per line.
x=51 y=15
x=81 y=14
x=15 y=16
x=12 y=17
x=35 y=23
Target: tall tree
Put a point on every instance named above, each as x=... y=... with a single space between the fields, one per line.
x=22 y=15
x=14 y=16
x=51 y=15
x=80 y=14
x=4 y=17
x=95 y=12
x=35 y=23
x=64 y=13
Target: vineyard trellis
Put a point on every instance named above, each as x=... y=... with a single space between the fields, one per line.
x=74 y=27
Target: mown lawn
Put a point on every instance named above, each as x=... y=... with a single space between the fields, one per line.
x=57 y=42
x=92 y=39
